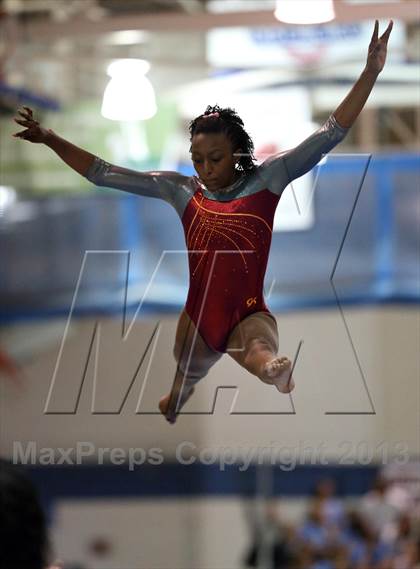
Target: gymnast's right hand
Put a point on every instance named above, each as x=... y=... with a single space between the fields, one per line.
x=34 y=132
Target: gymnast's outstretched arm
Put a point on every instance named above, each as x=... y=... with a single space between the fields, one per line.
x=72 y=155
x=172 y=187
x=281 y=169
x=350 y=108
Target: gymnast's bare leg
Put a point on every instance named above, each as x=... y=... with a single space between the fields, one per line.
x=188 y=344
x=254 y=344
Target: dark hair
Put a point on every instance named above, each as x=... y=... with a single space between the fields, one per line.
x=23 y=533
x=229 y=122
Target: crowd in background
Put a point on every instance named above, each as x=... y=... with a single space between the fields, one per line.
x=380 y=531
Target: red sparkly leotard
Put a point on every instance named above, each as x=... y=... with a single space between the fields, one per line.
x=228 y=232
x=228 y=245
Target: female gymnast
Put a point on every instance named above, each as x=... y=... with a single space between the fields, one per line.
x=227 y=213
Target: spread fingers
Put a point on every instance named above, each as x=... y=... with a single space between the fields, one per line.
x=22 y=122
x=20 y=134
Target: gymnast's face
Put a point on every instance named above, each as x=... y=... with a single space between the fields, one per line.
x=213 y=160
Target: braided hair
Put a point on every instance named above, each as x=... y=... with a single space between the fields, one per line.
x=215 y=120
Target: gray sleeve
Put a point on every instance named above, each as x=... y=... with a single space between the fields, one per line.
x=171 y=187
x=281 y=169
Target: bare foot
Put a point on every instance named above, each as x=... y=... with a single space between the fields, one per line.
x=278 y=372
x=164 y=402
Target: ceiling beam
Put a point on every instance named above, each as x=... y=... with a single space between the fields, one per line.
x=345 y=13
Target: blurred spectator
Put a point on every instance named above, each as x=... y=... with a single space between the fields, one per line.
x=332 y=507
x=318 y=538
x=403 y=490
x=23 y=533
x=271 y=541
x=378 y=512
x=405 y=553
x=358 y=539
x=314 y=531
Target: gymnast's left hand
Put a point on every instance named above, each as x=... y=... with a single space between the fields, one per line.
x=377 y=49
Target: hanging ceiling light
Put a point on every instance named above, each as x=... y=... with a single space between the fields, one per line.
x=129 y=94
x=304 y=11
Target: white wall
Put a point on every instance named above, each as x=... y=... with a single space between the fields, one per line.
x=155 y=534
x=327 y=374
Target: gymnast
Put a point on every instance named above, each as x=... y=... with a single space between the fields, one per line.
x=227 y=213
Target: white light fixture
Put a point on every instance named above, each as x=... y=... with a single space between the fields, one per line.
x=129 y=95
x=304 y=11
x=125 y=37
x=7 y=198
x=229 y=6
